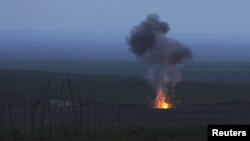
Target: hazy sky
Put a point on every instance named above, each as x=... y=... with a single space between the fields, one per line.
x=184 y=16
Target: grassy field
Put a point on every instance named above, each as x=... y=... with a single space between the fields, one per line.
x=204 y=84
x=176 y=134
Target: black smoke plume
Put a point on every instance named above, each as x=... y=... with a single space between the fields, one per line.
x=148 y=41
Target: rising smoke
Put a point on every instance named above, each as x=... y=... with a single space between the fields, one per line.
x=148 y=41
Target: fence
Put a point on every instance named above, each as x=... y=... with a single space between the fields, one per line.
x=61 y=114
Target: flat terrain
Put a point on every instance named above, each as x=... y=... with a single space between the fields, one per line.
x=115 y=102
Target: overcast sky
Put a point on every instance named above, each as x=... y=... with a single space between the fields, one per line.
x=184 y=16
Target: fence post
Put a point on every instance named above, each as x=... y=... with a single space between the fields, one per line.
x=119 y=113
x=62 y=106
x=49 y=116
x=10 y=112
x=234 y=105
x=73 y=103
x=43 y=108
x=80 y=107
x=3 y=111
x=94 y=112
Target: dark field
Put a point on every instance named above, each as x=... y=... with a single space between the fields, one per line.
x=112 y=101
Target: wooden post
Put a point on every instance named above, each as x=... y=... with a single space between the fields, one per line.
x=32 y=111
x=49 y=116
x=80 y=107
x=10 y=112
x=55 y=111
x=94 y=113
x=73 y=103
x=119 y=113
x=234 y=105
x=33 y=107
x=2 y=112
x=43 y=107
x=63 y=106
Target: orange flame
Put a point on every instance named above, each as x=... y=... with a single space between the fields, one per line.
x=161 y=101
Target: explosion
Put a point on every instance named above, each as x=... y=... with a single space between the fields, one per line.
x=161 y=101
x=148 y=41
